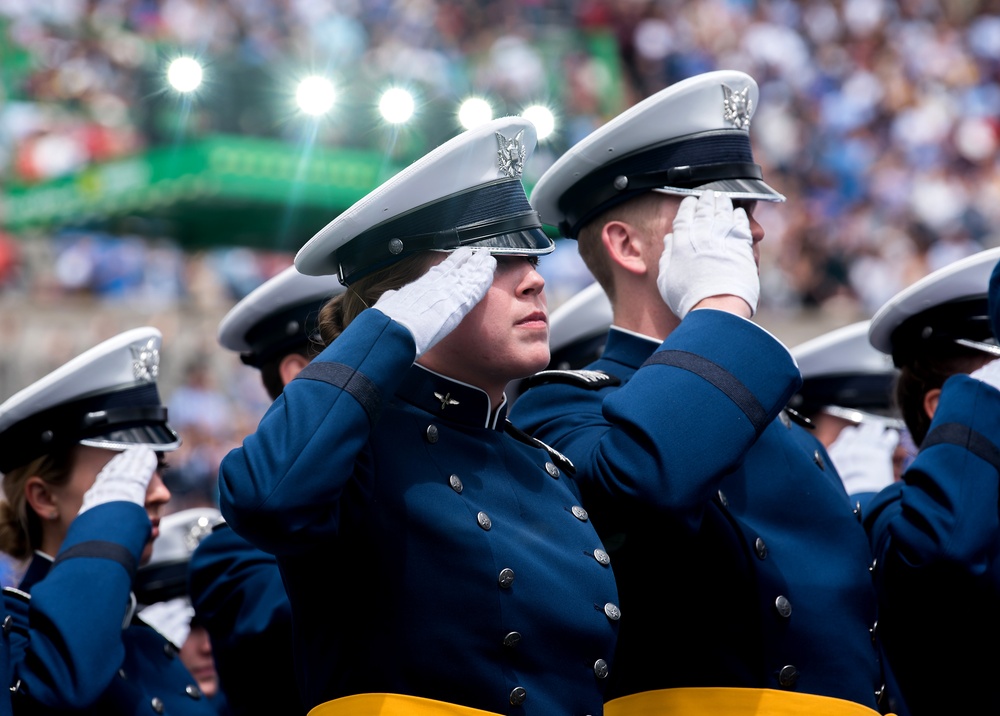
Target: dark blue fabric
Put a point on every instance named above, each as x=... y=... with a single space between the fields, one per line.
x=709 y=523
x=936 y=536
x=238 y=596
x=392 y=540
x=72 y=653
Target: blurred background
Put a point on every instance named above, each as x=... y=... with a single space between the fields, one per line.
x=159 y=159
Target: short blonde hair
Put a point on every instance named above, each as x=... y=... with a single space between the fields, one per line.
x=641 y=211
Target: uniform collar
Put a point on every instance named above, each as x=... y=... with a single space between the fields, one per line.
x=450 y=399
x=37 y=570
x=628 y=347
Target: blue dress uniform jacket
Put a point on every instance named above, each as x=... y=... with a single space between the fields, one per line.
x=426 y=551
x=72 y=653
x=740 y=562
x=238 y=596
x=936 y=537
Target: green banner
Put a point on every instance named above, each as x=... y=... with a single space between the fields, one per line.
x=220 y=190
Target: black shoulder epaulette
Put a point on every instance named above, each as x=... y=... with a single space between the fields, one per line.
x=557 y=457
x=588 y=379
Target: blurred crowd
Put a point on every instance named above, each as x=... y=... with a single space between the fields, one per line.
x=878 y=120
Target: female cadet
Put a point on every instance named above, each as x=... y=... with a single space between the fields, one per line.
x=436 y=558
x=83 y=495
x=936 y=533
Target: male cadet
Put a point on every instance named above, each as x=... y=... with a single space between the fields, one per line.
x=742 y=569
x=846 y=394
x=236 y=588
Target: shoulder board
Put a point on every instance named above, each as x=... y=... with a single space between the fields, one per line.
x=557 y=457
x=588 y=379
x=796 y=417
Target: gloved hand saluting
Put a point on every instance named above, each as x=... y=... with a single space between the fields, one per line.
x=125 y=478
x=709 y=253
x=862 y=455
x=433 y=305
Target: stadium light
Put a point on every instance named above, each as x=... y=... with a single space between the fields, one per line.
x=542 y=118
x=396 y=106
x=315 y=95
x=184 y=74
x=473 y=112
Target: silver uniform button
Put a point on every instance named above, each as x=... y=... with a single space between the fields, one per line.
x=518 y=695
x=8 y=622
x=170 y=651
x=612 y=611
x=873 y=565
x=601 y=669
x=783 y=606
x=602 y=557
x=723 y=500
x=760 y=547
x=193 y=691
x=857 y=512
x=456 y=483
x=157 y=704
x=788 y=676
x=550 y=467
x=818 y=459
x=484 y=521
x=874 y=631
x=512 y=639
x=121 y=674
x=432 y=434
x=506 y=577
x=579 y=513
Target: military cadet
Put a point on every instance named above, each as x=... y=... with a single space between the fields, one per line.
x=437 y=559
x=161 y=589
x=236 y=588
x=83 y=496
x=742 y=568
x=936 y=533
x=846 y=396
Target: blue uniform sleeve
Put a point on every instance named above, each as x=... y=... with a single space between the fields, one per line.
x=238 y=595
x=684 y=420
x=70 y=632
x=945 y=508
x=271 y=491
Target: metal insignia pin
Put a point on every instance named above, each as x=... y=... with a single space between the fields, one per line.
x=737 y=107
x=511 y=154
x=446 y=400
x=145 y=361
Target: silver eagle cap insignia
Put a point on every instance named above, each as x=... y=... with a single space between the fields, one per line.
x=737 y=107
x=511 y=154
x=145 y=361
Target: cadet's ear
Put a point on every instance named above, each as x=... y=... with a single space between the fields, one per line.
x=625 y=246
x=290 y=366
x=40 y=497
x=931 y=398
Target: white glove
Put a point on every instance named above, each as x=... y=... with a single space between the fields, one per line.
x=709 y=253
x=989 y=374
x=125 y=478
x=862 y=455
x=433 y=305
x=171 y=618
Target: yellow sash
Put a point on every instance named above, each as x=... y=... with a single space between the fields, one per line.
x=732 y=702
x=392 y=705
